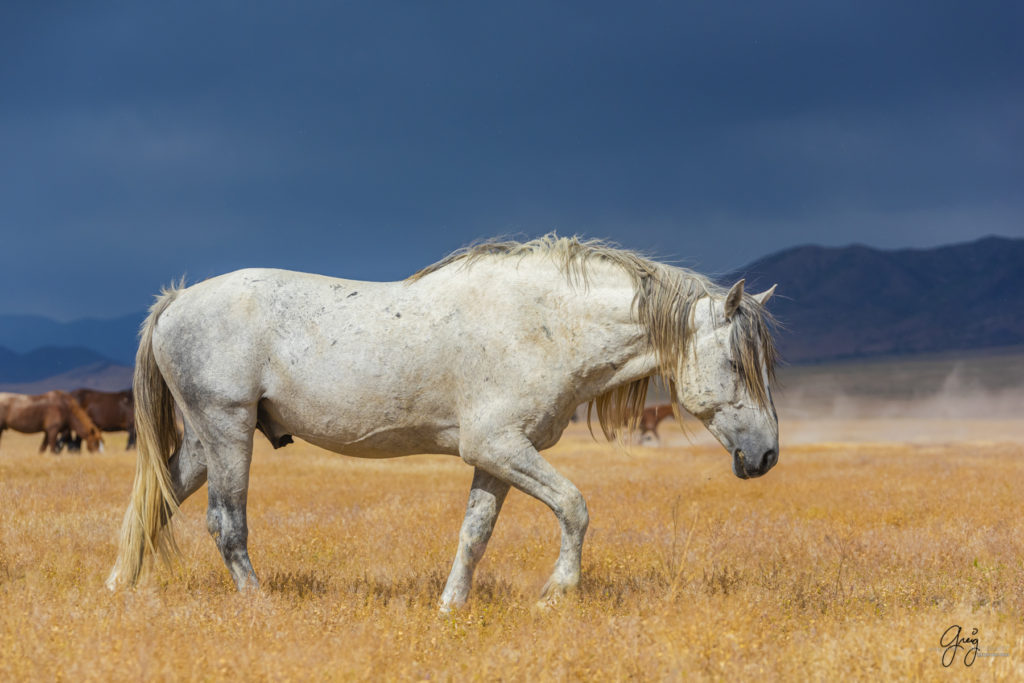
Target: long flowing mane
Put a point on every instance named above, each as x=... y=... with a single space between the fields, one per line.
x=664 y=296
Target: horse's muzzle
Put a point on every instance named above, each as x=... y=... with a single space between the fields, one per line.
x=745 y=467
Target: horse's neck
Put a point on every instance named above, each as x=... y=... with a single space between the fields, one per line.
x=611 y=348
x=594 y=335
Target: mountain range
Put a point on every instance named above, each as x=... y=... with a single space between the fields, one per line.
x=114 y=339
x=856 y=302
x=832 y=302
x=38 y=354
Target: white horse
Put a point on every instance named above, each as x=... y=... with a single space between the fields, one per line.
x=484 y=355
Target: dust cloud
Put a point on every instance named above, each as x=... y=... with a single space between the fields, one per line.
x=959 y=396
x=979 y=399
x=932 y=399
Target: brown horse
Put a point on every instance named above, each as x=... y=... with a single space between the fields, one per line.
x=650 y=419
x=52 y=412
x=112 y=411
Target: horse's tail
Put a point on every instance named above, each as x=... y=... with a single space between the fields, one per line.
x=146 y=527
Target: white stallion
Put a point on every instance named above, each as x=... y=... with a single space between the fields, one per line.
x=484 y=355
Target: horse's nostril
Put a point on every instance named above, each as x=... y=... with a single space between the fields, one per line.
x=770 y=457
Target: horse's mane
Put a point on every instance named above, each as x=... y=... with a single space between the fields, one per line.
x=663 y=304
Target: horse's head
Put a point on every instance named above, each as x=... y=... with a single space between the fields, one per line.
x=93 y=440
x=724 y=377
x=84 y=426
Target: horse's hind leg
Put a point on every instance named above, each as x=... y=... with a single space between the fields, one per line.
x=485 y=499
x=226 y=520
x=226 y=437
x=187 y=466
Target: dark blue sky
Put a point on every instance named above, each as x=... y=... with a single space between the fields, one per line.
x=143 y=140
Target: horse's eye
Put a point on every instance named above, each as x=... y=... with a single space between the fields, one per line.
x=734 y=365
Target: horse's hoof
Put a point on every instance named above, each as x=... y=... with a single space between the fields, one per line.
x=550 y=599
x=248 y=585
x=447 y=608
x=547 y=604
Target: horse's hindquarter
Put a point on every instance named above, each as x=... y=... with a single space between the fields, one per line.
x=29 y=413
x=356 y=367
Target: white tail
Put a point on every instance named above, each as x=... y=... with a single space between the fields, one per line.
x=146 y=528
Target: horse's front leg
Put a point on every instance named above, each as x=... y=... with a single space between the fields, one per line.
x=514 y=460
x=50 y=440
x=485 y=499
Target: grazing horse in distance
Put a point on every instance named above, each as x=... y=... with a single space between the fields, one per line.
x=52 y=413
x=111 y=411
x=651 y=418
x=484 y=356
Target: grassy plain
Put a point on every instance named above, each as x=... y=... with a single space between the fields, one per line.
x=848 y=561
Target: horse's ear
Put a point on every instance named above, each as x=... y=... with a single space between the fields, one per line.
x=763 y=297
x=733 y=299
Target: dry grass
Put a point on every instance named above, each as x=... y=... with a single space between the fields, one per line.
x=849 y=560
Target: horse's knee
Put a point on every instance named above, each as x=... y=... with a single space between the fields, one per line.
x=483 y=507
x=574 y=511
x=475 y=534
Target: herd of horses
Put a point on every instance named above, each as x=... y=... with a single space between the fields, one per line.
x=68 y=418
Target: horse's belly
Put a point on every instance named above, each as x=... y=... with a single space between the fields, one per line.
x=387 y=444
x=349 y=430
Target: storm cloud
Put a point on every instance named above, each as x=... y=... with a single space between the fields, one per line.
x=142 y=141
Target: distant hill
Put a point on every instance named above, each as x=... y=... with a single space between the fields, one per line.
x=60 y=368
x=101 y=376
x=857 y=301
x=45 y=362
x=115 y=338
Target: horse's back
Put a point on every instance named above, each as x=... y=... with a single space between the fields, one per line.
x=278 y=323
x=108 y=409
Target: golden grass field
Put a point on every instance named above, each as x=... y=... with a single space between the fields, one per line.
x=895 y=513
x=849 y=560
